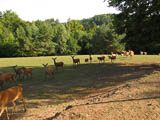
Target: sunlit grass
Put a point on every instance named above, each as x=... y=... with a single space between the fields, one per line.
x=73 y=81
x=76 y=82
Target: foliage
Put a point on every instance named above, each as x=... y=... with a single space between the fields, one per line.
x=139 y=20
x=49 y=37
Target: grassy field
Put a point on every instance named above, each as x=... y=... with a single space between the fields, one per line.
x=76 y=82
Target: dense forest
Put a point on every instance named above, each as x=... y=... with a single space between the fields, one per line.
x=50 y=37
x=136 y=28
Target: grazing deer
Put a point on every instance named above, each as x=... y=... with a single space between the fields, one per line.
x=131 y=53
x=27 y=72
x=145 y=53
x=5 y=77
x=58 y=64
x=18 y=71
x=49 y=71
x=10 y=95
x=113 y=54
x=125 y=53
x=75 y=61
x=102 y=58
x=112 y=58
x=90 y=58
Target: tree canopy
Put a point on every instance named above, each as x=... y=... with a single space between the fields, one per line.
x=140 y=21
x=50 y=37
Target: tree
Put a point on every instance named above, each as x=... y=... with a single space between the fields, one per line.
x=8 y=46
x=75 y=30
x=61 y=37
x=139 y=20
x=43 y=44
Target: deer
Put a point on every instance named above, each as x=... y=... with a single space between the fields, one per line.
x=75 y=61
x=18 y=71
x=5 y=77
x=90 y=58
x=131 y=53
x=112 y=58
x=141 y=52
x=10 y=95
x=58 y=64
x=86 y=60
x=125 y=53
x=145 y=53
x=102 y=58
x=49 y=71
x=27 y=72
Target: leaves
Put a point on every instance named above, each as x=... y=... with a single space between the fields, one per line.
x=50 y=37
x=139 y=21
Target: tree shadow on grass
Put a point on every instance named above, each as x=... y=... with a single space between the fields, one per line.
x=78 y=82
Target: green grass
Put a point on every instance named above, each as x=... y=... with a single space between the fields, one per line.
x=76 y=81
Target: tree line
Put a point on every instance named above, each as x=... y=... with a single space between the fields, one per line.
x=136 y=27
x=50 y=37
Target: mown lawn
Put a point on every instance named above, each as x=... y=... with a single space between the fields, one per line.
x=76 y=82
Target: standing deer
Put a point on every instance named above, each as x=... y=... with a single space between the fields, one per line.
x=49 y=71
x=145 y=53
x=5 y=77
x=58 y=64
x=112 y=58
x=141 y=52
x=75 y=61
x=86 y=60
x=90 y=58
x=27 y=72
x=102 y=58
x=19 y=71
x=131 y=53
x=10 y=95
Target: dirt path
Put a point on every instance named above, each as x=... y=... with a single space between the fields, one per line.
x=138 y=99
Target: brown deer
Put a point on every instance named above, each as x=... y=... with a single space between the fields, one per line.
x=10 y=95
x=145 y=53
x=131 y=53
x=86 y=60
x=75 y=61
x=58 y=64
x=19 y=71
x=49 y=71
x=125 y=53
x=112 y=58
x=90 y=58
x=5 y=77
x=102 y=58
x=27 y=72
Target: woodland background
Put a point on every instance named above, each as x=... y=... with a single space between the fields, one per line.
x=136 y=27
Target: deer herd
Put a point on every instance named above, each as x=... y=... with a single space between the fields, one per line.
x=10 y=95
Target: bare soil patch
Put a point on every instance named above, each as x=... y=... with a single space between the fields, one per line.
x=134 y=94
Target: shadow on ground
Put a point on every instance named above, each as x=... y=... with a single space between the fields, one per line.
x=76 y=82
